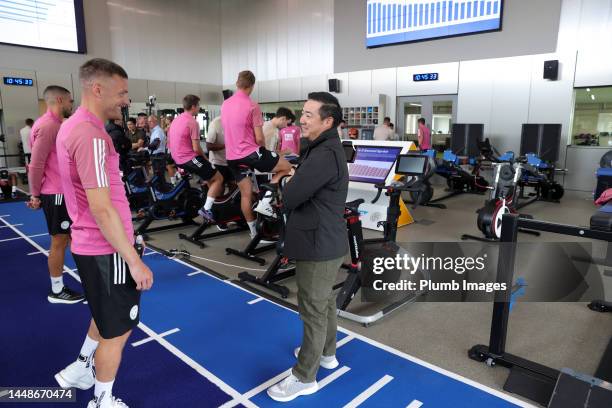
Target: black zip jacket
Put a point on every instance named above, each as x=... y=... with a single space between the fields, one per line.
x=314 y=199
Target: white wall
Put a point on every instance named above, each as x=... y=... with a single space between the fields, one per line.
x=163 y=40
x=277 y=38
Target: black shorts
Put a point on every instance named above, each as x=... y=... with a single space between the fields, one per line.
x=225 y=172
x=56 y=214
x=262 y=160
x=110 y=292
x=199 y=166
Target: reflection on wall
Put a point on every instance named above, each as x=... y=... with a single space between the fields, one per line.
x=592 y=124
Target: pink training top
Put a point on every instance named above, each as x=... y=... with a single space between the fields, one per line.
x=290 y=139
x=239 y=116
x=183 y=129
x=43 y=170
x=87 y=159
x=426 y=144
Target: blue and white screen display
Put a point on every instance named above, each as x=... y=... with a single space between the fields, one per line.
x=373 y=163
x=51 y=24
x=399 y=21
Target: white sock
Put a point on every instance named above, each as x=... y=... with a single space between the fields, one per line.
x=14 y=189
x=87 y=350
x=103 y=392
x=251 y=225
x=57 y=284
x=209 y=203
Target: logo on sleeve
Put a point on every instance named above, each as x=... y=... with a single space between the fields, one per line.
x=65 y=225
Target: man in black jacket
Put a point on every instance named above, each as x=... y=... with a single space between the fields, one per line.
x=121 y=142
x=316 y=238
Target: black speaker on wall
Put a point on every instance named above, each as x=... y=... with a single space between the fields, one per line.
x=334 y=85
x=551 y=69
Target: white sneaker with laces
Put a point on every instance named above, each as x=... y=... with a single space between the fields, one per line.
x=77 y=374
x=291 y=388
x=329 y=362
x=111 y=402
x=264 y=206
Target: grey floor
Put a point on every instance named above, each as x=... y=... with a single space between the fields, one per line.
x=555 y=334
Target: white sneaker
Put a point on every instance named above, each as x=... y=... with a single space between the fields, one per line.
x=264 y=207
x=111 y=402
x=76 y=375
x=329 y=362
x=291 y=388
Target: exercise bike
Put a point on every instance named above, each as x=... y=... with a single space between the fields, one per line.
x=280 y=268
x=413 y=169
x=171 y=202
x=503 y=199
x=136 y=182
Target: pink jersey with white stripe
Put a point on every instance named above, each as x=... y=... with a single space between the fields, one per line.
x=43 y=172
x=88 y=160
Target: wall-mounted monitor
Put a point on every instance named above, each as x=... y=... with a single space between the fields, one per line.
x=373 y=163
x=401 y=21
x=50 y=24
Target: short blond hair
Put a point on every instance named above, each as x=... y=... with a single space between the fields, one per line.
x=246 y=79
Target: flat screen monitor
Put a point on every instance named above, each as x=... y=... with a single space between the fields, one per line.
x=50 y=24
x=401 y=21
x=349 y=151
x=542 y=140
x=465 y=139
x=373 y=163
x=367 y=134
x=411 y=164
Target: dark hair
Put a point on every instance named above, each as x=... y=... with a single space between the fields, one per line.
x=29 y=121
x=189 y=101
x=387 y=119
x=391 y=125
x=246 y=79
x=100 y=67
x=330 y=107
x=56 y=89
x=142 y=114
x=422 y=120
x=133 y=120
x=282 y=111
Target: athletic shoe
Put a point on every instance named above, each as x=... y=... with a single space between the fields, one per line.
x=111 y=402
x=264 y=207
x=77 y=375
x=291 y=388
x=66 y=296
x=207 y=215
x=328 y=362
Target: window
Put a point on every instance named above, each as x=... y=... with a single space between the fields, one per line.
x=592 y=125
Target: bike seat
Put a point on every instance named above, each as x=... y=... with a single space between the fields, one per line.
x=354 y=205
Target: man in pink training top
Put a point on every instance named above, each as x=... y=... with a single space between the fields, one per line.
x=185 y=149
x=244 y=147
x=46 y=188
x=290 y=138
x=111 y=270
x=423 y=135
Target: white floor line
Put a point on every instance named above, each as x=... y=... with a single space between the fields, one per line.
x=12 y=225
x=333 y=376
x=5 y=215
x=195 y=273
x=252 y=302
x=372 y=389
x=148 y=339
x=250 y=394
x=35 y=253
x=21 y=236
x=415 y=404
x=182 y=356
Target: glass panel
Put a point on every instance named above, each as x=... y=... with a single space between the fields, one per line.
x=441 y=122
x=592 y=125
x=412 y=113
